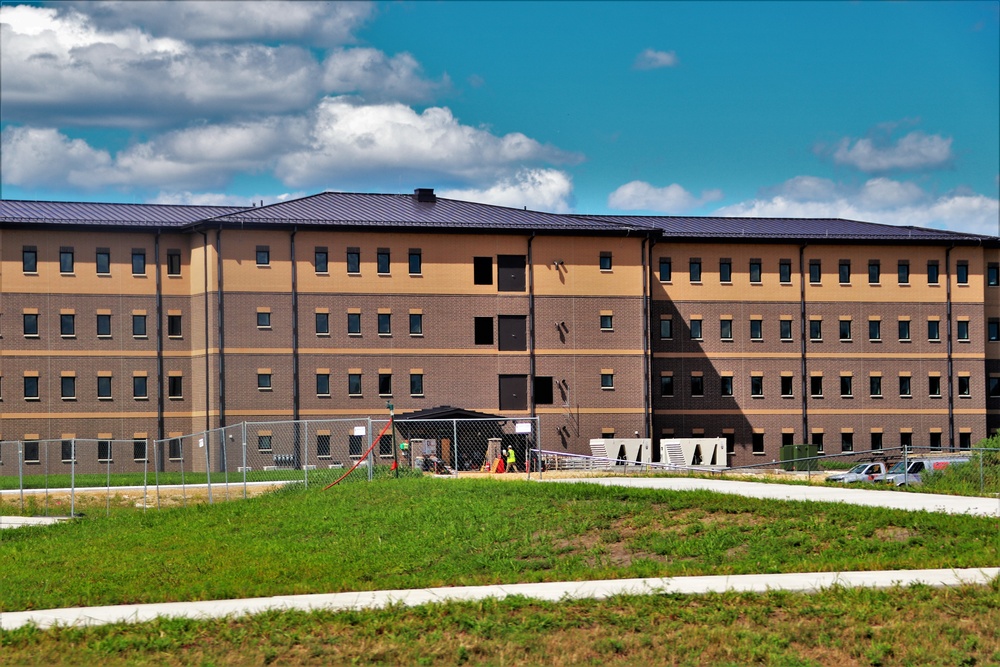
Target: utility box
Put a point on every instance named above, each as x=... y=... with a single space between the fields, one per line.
x=789 y=454
x=695 y=452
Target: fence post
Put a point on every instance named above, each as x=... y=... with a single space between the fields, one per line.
x=454 y=445
x=145 y=475
x=207 y=446
x=243 y=434
x=20 y=471
x=72 y=477
x=107 y=508
x=156 y=468
x=305 y=457
x=371 y=454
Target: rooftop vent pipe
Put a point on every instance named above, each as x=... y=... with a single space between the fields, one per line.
x=425 y=195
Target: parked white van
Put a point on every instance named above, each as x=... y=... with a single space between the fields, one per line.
x=917 y=465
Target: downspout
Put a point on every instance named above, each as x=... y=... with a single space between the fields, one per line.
x=647 y=365
x=531 y=328
x=295 y=350
x=221 y=328
x=802 y=343
x=208 y=367
x=159 y=345
x=951 y=389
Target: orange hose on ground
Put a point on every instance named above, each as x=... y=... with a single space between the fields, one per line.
x=363 y=457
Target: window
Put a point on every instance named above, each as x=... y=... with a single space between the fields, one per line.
x=139 y=389
x=174 y=328
x=31 y=451
x=787 y=385
x=845 y=330
x=605 y=261
x=962 y=272
x=67 y=325
x=263 y=319
x=694 y=269
x=484 y=330
x=874 y=272
x=138 y=262
x=353 y=324
x=139 y=449
x=382 y=261
x=935 y=439
x=726 y=329
x=31 y=387
x=875 y=386
x=323 y=445
x=263 y=381
x=846 y=386
x=385 y=445
x=933 y=272
x=354 y=384
x=934 y=330
x=696 y=329
x=416 y=324
x=844 y=271
x=964 y=385
x=905 y=386
x=103 y=261
x=263 y=255
x=847 y=442
x=322 y=384
x=321 y=260
x=876 y=441
x=173 y=262
x=786 y=329
x=385 y=384
x=697 y=385
x=607 y=380
x=756 y=385
x=67 y=453
x=993 y=274
x=417 y=387
x=104 y=387
x=785 y=271
x=817 y=441
x=104 y=451
x=963 y=330
x=67 y=387
x=906 y=441
x=607 y=323
x=964 y=440
x=29 y=260
x=666 y=271
x=666 y=385
x=103 y=325
x=934 y=386
x=815 y=271
x=757 y=443
x=874 y=330
x=756 y=329
x=755 y=273
x=30 y=324
x=666 y=328
x=726 y=385
x=385 y=324
x=482 y=270
x=993 y=329
x=726 y=270
x=416 y=262
x=322 y=324
x=175 y=387
x=816 y=386
x=904 y=330
x=903 y=272
x=993 y=386
x=354 y=260
x=815 y=330
x=354 y=446
x=66 y=260
x=139 y=326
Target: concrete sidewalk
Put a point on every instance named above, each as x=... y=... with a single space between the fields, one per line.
x=553 y=591
x=18 y=521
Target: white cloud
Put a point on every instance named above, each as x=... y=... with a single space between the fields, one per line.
x=537 y=189
x=880 y=200
x=43 y=157
x=914 y=151
x=378 y=77
x=652 y=59
x=189 y=198
x=674 y=199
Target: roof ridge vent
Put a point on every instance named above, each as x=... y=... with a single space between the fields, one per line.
x=425 y=195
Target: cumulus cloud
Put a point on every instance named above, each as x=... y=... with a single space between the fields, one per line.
x=912 y=152
x=674 y=199
x=653 y=59
x=189 y=198
x=377 y=77
x=879 y=200
x=44 y=157
x=538 y=189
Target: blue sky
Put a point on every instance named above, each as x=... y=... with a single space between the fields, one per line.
x=888 y=112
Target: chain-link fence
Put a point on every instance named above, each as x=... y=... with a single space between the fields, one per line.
x=43 y=477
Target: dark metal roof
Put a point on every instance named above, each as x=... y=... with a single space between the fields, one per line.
x=394 y=210
x=445 y=412
x=87 y=213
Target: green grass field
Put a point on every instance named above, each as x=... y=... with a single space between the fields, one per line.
x=416 y=532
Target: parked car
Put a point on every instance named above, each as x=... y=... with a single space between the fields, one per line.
x=899 y=476
x=863 y=472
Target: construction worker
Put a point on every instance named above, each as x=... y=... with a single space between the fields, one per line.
x=511 y=460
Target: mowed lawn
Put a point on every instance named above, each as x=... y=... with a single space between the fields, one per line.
x=415 y=532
